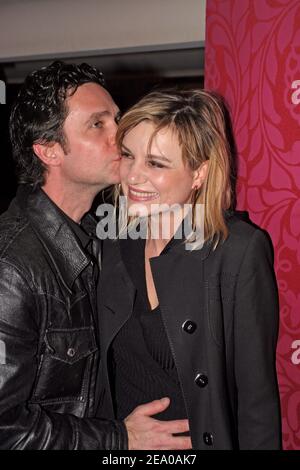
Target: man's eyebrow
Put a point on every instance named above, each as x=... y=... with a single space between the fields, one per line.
x=99 y=115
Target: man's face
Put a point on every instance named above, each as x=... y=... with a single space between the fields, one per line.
x=92 y=158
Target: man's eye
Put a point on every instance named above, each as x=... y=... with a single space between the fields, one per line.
x=98 y=124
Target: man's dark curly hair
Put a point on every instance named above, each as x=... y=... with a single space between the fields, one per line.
x=39 y=113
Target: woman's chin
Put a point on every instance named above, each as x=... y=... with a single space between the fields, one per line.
x=138 y=210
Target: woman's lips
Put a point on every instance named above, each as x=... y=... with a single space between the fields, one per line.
x=137 y=195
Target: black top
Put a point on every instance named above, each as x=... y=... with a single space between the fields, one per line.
x=80 y=233
x=82 y=236
x=143 y=365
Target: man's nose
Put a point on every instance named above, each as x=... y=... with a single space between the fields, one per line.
x=112 y=135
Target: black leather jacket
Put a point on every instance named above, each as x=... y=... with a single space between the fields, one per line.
x=48 y=348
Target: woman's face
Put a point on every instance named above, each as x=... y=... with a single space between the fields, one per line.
x=155 y=177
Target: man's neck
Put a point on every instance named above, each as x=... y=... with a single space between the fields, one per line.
x=72 y=201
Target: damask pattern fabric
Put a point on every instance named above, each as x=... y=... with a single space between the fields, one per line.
x=252 y=58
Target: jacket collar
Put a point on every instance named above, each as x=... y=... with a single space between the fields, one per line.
x=131 y=246
x=54 y=233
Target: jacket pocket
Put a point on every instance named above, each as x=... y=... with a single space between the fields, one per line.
x=70 y=346
x=65 y=366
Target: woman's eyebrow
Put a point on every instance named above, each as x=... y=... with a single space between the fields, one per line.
x=159 y=157
x=126 y=148
x=150 y=155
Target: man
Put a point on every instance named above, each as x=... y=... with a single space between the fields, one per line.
x=62 y=129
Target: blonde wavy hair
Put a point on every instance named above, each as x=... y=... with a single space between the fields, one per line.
x=198 y=119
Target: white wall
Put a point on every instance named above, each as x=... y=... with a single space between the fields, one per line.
x=30 y=28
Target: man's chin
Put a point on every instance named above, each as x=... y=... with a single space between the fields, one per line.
x=114 y=178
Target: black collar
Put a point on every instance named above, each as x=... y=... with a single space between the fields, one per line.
x=83 y=237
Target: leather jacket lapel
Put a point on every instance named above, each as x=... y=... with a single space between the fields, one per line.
x=54 y=233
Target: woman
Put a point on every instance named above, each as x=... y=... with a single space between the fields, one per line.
x=195 y=323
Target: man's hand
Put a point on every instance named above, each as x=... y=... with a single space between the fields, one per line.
x=146 y=433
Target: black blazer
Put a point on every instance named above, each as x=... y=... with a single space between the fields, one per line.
x=220 y=311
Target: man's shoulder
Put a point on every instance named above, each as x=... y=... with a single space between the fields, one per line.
x=12 y=223
x=18 y=242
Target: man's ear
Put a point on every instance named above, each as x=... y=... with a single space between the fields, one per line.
x=200 y=175
x=50 y=153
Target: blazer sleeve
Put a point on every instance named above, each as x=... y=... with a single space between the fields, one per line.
x=26 y=425
x=256 y=320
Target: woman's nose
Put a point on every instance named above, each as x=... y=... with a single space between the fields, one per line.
x=136 y=174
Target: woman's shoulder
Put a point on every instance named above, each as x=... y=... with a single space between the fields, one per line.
x=244 y=234
x=240 y=224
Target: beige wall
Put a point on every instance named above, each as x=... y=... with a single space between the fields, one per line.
x=31 y=28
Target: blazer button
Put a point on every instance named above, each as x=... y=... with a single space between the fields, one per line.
x=189 y=326
x=201 y=380
x=71 y=352
x=208 y=438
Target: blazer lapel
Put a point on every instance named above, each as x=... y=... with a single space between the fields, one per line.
x=179 y=281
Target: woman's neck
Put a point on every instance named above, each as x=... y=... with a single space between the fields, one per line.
x=161 y=228
x=155 y=247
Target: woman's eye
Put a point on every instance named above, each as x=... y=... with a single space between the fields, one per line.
x=155 y=164
x=126 y=155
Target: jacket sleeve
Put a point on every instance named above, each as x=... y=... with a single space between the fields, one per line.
x=24 y=425
x=256 y=330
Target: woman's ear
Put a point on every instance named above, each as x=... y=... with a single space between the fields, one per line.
x=50 y=153
x=200 y=175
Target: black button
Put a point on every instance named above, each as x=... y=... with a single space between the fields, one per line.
x=208 y=438
x=189 y=326
x=201 y=380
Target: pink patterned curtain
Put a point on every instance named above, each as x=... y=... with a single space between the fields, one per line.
x=252 y=58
